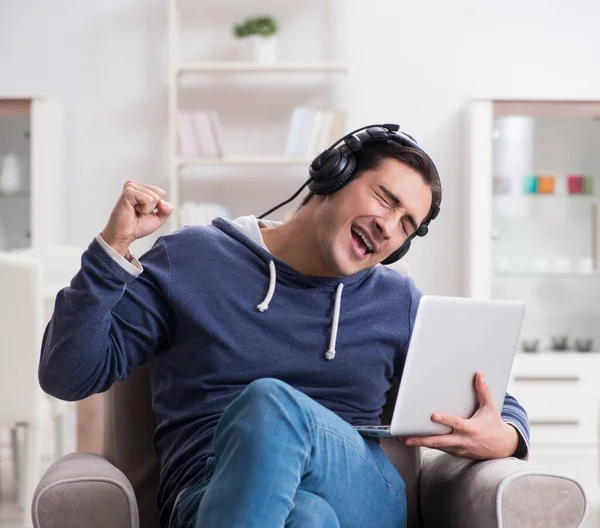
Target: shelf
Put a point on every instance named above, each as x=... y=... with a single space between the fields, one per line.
x=544 y=196
x=18 y=194
x=545 y=274
x=571 y=352
x=245 y=160
x=290 y=67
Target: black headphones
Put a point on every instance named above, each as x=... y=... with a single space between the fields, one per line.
x=335 y=167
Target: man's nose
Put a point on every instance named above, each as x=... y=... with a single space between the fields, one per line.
x=382 y=227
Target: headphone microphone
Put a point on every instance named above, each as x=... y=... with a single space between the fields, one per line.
x=335 y=167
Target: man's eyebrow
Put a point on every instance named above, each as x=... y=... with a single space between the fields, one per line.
x=396 y=201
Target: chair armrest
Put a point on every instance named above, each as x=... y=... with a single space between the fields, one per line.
x=84 y=489
x=505 y=493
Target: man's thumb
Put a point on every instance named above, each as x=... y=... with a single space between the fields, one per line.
x=163 y=209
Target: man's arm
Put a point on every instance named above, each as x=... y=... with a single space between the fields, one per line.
x=111 y=318
x=514 y=415
x=105 y=323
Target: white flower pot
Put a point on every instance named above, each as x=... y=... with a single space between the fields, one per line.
x=263 y=49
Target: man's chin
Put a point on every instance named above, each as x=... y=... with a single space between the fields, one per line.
x=353 y=266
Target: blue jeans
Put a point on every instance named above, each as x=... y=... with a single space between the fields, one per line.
x=281 y=459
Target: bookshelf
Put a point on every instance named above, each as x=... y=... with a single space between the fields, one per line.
x=245 y=160
x=283 y=67
x=183 y=158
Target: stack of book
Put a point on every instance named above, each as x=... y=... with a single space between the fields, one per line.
x=191 y=213
x=312 y=130
x=200 y=134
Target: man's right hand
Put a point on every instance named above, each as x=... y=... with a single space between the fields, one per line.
x=140 y=210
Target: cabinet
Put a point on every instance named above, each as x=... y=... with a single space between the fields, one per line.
x=31 y=193
x=533 y=234
x=561 y=395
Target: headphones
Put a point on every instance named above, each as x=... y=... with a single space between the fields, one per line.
x=335 y=167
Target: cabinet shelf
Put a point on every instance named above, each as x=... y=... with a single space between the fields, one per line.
x=291 y=67
x=245 y=160
x=547 y=274
x=18 y=194
x=544 y=196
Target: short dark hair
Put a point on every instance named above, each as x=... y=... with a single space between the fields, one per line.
x=372 y=155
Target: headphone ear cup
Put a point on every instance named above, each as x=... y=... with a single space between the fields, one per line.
x=398 y=254
x=335 y=171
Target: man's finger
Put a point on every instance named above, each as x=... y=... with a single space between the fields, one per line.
x=163 y=209
x=143 y=202
x=483 y=391
x=435 y=442
x=456 y=422
x=157 y=190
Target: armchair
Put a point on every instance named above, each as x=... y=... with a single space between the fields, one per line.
x=119 y=488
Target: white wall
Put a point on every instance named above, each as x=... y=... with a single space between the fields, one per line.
x=420 y=62
x=417 y=63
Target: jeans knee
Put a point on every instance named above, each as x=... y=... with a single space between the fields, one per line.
x=261 y=404
x=261 y=387
x=263 y=398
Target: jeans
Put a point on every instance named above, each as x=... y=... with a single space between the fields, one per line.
x=283 y=460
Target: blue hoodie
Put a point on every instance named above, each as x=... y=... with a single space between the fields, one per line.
x=213 y=310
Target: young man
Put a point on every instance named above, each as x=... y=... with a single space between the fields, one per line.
x=268 y=342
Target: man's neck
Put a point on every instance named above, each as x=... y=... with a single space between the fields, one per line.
x=294 y=242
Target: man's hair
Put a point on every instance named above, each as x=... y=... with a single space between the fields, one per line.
x=372 y=155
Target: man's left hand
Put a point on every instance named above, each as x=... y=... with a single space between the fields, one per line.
x=483 y=436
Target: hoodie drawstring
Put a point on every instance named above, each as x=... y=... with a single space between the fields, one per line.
x=263 y=306
x=330 y=354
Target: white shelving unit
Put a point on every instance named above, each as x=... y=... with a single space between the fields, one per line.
x=284 y=67
x=178 y=68
x=31 y=127
x=245 y=160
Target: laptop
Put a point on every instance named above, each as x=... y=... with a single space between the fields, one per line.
x=453 y=338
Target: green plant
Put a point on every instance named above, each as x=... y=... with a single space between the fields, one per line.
x=265 y=26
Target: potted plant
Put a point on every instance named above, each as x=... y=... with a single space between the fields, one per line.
x=261 y=32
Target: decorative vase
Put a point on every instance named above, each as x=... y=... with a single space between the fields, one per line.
x=263 y=49
x=10 y=174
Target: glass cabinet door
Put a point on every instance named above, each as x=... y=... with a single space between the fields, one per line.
x=15 y=181
x=545 y=201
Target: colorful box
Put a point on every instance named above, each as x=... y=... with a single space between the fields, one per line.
x=545 y=184
x=530 y=184
x=501 y=185
x=588 y=185
x=575 y=183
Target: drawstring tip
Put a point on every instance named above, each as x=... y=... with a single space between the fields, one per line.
x=262 y=307
x=330 y=354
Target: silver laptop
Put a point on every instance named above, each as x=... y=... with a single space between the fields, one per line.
x=453 y=338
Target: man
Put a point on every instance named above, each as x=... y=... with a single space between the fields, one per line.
x=268 y=342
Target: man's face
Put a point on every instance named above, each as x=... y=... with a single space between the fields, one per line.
x=368 y=219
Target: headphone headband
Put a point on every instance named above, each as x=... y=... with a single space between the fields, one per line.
x=382 y=133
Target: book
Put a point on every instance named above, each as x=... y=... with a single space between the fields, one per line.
x=313 y=130
x=187 y=141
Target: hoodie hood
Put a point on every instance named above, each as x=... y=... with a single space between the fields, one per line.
x=246 y=229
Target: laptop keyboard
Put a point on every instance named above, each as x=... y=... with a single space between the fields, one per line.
x=379 y=427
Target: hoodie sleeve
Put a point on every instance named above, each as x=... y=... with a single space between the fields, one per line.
x=105 y=323
x=512 y=412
